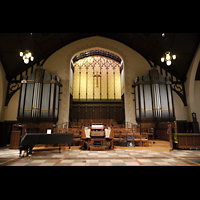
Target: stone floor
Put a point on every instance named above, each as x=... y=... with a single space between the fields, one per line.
x=116 y=157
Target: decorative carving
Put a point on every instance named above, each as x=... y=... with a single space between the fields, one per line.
x=154 y=76
x=13 y=86
x=178 y=87
x=97 y=52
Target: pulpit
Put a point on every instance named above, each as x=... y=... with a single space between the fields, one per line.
x=97 y=137
x=18 y=132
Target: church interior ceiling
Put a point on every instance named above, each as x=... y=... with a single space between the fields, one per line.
x=150 y=45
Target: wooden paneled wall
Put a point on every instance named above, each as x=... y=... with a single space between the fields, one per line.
x=97 y=111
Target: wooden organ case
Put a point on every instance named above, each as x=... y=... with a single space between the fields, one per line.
x=154 y=103
x=39 y=101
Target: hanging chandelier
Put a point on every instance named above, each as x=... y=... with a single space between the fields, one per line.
x=168 y=58
x=26 y=56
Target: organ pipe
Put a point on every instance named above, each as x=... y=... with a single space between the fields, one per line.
x=39 y=97
x=153 y=98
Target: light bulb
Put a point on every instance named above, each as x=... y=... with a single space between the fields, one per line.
x=27 y=55
x=32 y=58
x=174 y=56
x=162 y=59
x=168 y=62
x=21 y=54
x=26 y=61
x=167 y=56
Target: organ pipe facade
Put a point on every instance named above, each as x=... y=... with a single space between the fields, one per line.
x=39 y=97
x=153 y=98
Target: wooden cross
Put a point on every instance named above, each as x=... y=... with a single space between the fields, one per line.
x=97 y=75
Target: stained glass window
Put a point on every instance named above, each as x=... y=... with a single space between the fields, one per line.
x=96 y=77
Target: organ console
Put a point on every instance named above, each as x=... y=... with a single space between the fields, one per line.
x=97 y=137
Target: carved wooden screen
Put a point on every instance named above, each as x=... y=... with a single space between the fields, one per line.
x=96 y=77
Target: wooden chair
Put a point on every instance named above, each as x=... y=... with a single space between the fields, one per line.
x=130 y=133
x=115 y=126
x=137 y=136
x=144 y=138
x=76 y=135
x=121 y=125
x=123 y=133
x=117 y=135
x=55 y=130
x=59 y=130
x=62 y=130
x=151 y=133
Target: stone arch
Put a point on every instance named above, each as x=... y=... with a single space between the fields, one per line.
x=190 y=83
x=59 y=63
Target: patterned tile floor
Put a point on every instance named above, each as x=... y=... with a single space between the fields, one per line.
x=117 y=157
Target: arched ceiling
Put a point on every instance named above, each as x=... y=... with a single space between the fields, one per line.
x=150 y=45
